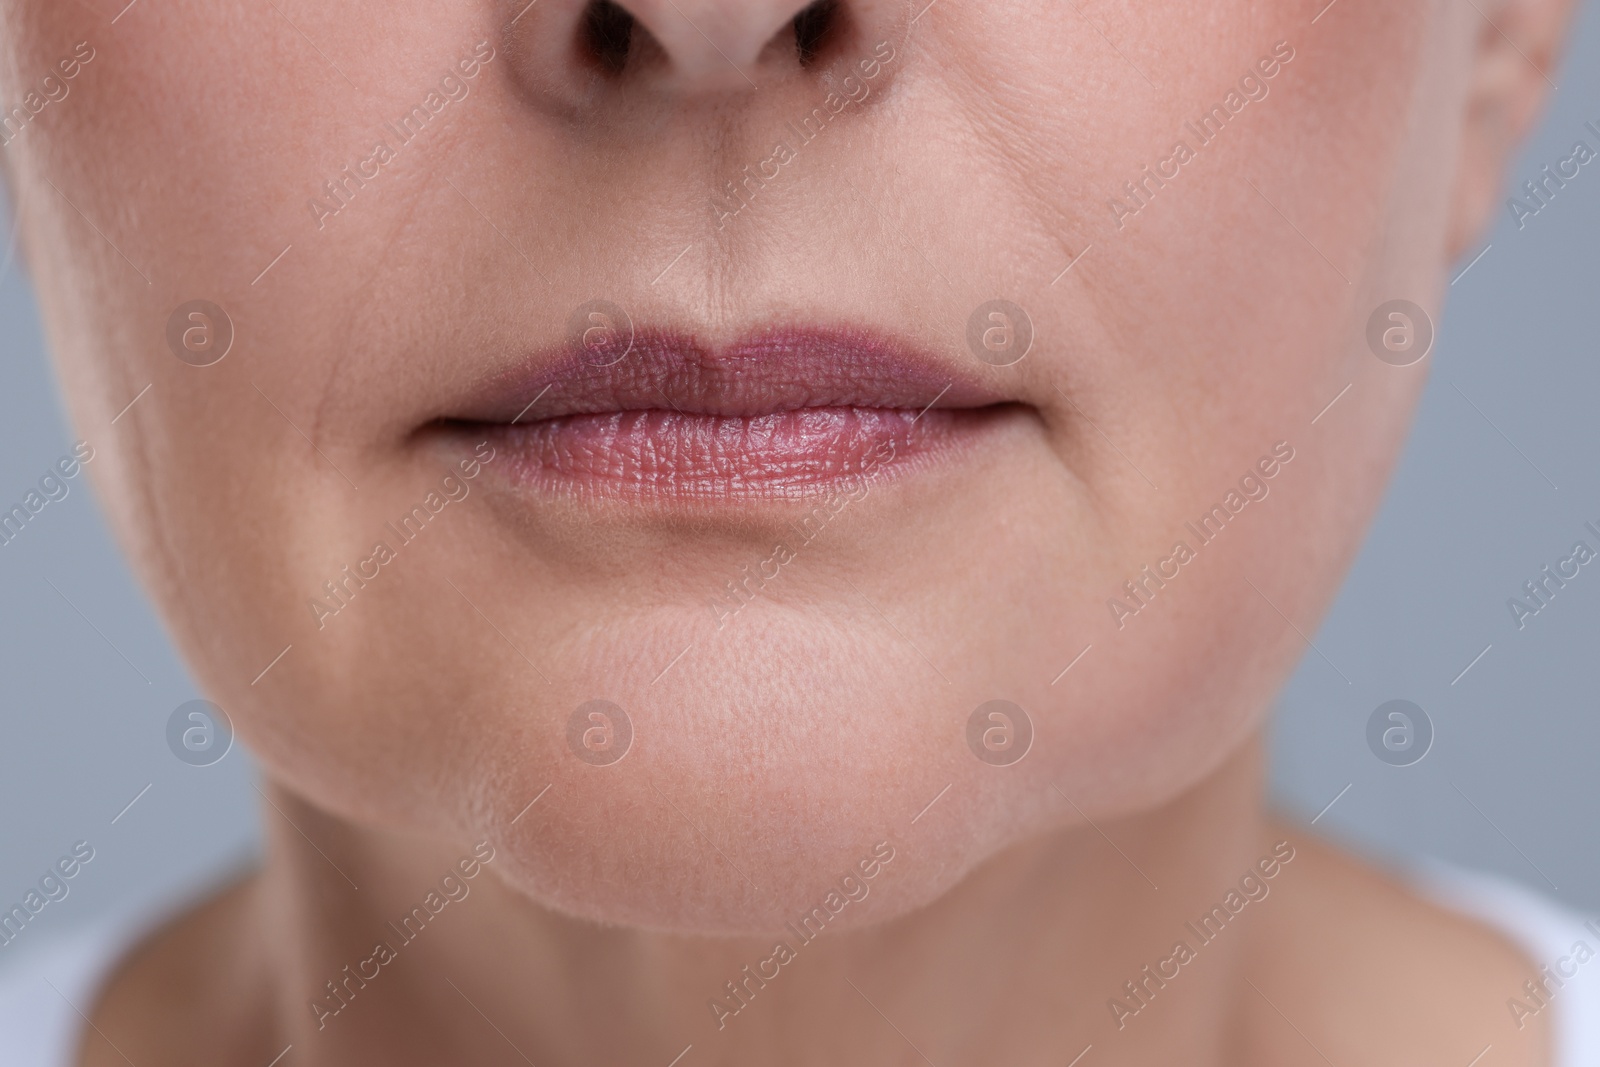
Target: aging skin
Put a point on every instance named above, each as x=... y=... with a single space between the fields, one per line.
x=509 y=168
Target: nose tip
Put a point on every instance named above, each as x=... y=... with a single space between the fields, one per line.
x=716 y=43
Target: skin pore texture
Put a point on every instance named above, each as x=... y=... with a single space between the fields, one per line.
x=386 y=332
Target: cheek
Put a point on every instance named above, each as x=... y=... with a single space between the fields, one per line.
x=228 y=146
x=1221 y=319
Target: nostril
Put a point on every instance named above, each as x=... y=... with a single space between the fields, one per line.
x=614 y=41
x=607 y=35
x=814 y=29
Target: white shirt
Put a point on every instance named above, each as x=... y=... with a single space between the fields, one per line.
x=48 y=987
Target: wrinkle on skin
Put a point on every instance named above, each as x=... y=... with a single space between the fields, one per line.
x=835 y=705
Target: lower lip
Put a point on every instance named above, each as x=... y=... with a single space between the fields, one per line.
x=672 y=455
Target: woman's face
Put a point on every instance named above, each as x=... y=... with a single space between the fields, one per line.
x=939 y=339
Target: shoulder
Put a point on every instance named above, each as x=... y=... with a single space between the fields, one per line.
x=195 y=975
x=108 y=992
x=46 y=985
x=1563 y=944
x=1371 y=967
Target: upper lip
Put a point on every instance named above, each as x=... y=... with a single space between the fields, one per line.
x=771 y=370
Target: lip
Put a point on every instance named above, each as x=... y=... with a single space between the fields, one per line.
x=784 y=412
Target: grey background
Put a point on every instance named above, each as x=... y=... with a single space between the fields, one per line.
x=88 y=678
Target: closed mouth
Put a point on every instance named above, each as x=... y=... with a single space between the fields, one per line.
x=784 y=413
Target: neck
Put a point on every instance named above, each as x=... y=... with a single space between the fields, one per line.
x=1059 y=943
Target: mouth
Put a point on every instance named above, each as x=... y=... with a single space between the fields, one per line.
x=783 y=413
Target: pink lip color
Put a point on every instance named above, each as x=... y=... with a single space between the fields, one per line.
x=781 y=414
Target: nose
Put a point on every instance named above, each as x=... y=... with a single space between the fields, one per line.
x=717 y=44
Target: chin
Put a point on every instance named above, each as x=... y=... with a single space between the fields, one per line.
x=775 y=774
x=784 y=772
